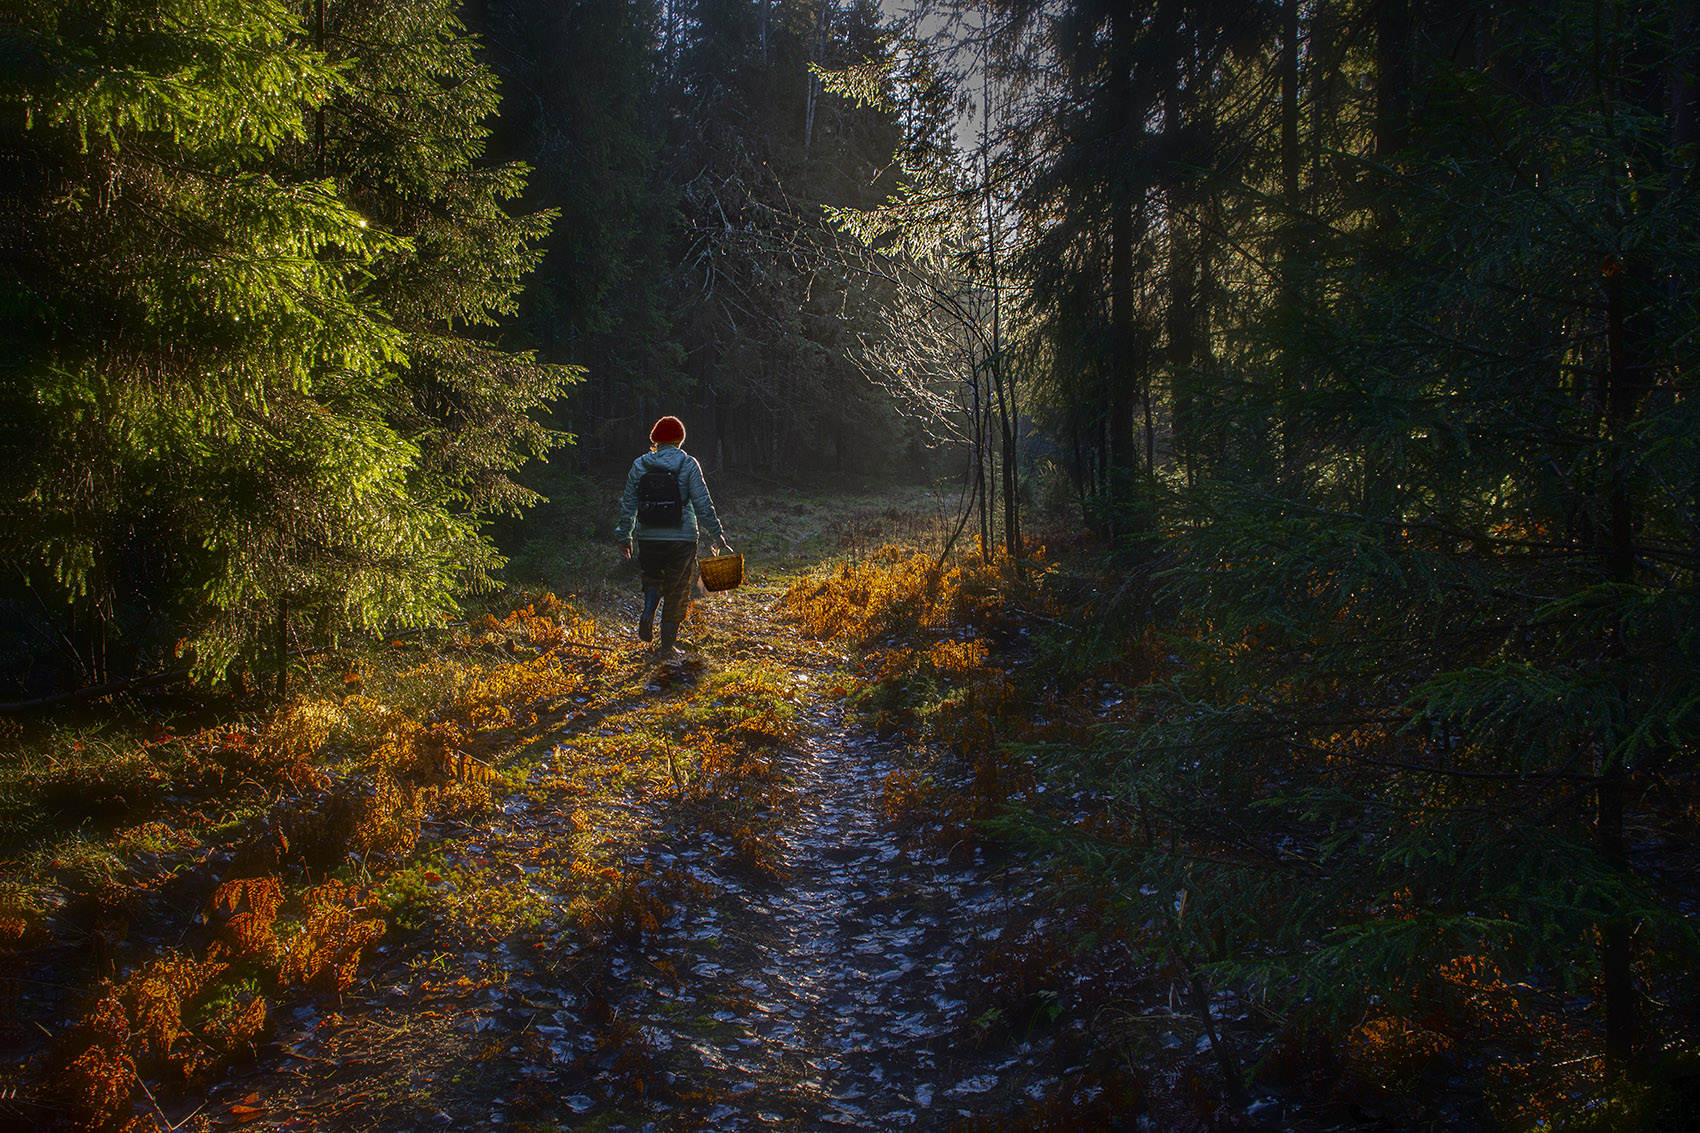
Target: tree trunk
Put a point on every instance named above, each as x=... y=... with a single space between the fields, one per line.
x=1624 y=387
x=1011 y=456
x=1290 y=103
x=979 y=425
x=817 y=56
x=1287 y=291
x=1006 y=423
x=988 y=477
x=1123 y=361
x=1684 y=170
x=1183 y=427
x=1392 y=52
x=1227 y=1061
x=1620 y=391
x=1181 y=318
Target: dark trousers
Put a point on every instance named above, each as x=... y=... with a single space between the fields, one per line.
x=669 y=566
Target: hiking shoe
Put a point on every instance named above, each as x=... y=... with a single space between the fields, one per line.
x=646 y=624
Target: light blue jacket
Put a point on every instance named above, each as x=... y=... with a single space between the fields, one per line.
x=692 y=490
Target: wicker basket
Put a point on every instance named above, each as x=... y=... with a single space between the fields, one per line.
x=722 y=572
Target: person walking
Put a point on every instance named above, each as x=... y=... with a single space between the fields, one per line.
x=665 y=501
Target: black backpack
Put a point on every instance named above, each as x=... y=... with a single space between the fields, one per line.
x=659 y=502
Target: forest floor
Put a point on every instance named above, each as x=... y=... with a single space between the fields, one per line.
x=785 y=961
x=743 y=889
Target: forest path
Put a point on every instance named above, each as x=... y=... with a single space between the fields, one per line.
x=820 y=980
x=830 y=997
x=828 y=993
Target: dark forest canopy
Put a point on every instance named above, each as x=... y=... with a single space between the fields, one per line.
x=691 y=153
x=296 y=289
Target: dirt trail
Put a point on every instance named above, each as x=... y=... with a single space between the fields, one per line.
x=829 y=995
x=832 y=997
x=848 y=974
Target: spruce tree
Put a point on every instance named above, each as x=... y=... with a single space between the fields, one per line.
x=254 y=252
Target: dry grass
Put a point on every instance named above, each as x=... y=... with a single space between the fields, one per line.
x=901 y=592
x=930 y=675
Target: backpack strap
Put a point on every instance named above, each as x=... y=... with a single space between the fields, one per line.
x=678 y=473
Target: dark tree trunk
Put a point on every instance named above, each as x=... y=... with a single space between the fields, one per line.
x=1204 y=349
x=711 y=427
x=977 y=423
x=1392 y=112
x=1685 y=98
x=1290 y=103
x=1005 y=396
x=988 y=480
x=1631 y=338
x=1392 y=89
x=1287 y=263
x=1625 y=386
x=1181 y=315
x=817 y=55
x=1124 y=380
x=1123 y=363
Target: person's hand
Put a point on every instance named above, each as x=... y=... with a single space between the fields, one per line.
x=725 y=547
x=626 y=552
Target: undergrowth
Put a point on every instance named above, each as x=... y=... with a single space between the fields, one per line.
x=188 y=879
x=1084 y=721
x=273 y=848
x=1039 y=707
x=1017 y=695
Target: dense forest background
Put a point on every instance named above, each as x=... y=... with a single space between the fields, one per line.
x=1358 y=336
x=297 y=292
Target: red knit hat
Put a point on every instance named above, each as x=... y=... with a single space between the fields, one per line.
x=668 y=431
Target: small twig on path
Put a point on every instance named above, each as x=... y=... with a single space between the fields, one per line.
x=1226 y=1059
x=170 y=1126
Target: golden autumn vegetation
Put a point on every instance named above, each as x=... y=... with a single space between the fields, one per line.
x=298 y=839
x=300 y=822
x=1026 y=696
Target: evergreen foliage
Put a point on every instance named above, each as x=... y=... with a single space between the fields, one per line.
x=584 y=107
x=254 y=247
x=1428 y=535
